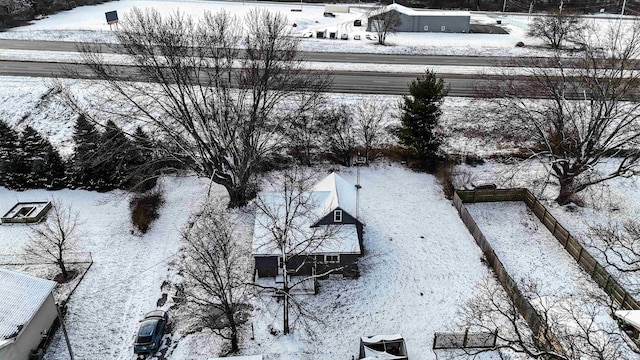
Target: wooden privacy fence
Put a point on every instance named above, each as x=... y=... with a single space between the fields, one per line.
x=538 y=326
x=466 y=339
x=598 y=273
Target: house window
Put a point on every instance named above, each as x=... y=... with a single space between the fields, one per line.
x=332 y=259
x=443 y=28
x=426 y=28
x=337 y=216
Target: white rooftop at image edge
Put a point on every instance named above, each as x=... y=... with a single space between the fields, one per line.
x=21 y=296
x=422 y=12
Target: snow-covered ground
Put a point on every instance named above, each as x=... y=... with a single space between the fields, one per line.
x=128 y=270
x=87 y=23
x=421 y=266
x=531 y=254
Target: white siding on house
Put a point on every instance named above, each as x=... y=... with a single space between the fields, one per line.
x=31 y=334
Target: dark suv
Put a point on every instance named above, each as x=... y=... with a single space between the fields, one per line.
x=150 y=333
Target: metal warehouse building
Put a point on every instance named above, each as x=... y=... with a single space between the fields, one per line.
x=412 y=20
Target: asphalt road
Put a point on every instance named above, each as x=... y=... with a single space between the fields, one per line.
x=309 y=56
x=344 y=82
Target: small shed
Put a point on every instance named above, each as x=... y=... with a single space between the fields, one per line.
x=383 y=347
x=26 y=212
x=321 y=34
x=27 y=313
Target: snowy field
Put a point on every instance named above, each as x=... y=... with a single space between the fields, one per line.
x=531 y=254
x=87 y=23
x=29 y=101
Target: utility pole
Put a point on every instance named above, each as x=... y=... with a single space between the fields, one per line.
x=64 y=331
x=504 y=5
x=624 y=3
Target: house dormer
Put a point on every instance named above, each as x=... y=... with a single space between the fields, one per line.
x=336 y=201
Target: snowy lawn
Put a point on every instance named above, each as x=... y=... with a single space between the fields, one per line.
x=531 y=254
x=421 y=265
x=125 y=280
x=613 y=202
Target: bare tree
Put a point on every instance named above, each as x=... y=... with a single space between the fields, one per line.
x=215 y=272
x=54 y=238
x=210 y=117
x=383 y=21
x=573 y=325
x=590 y=117
x=338 y=135
x=284 y=222
x=370 y=120
x=556 y=28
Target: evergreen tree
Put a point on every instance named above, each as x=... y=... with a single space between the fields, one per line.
x=31 y=166
x=40 y=164
x=116 y=150
x=141 y=164
x=418 y=129
x=83 y=171
x=8 y=154
x=55 y=171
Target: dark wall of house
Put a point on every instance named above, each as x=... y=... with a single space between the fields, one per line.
x=267 y=266
x=346 y=219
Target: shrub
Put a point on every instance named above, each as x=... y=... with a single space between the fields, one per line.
x=444 y=174
x=144 y=209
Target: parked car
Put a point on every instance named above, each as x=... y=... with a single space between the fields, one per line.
x=150 y=332
x=308 y=34
x=371 y=37
x=344 y=37
x=356 y=37
x=329 y=14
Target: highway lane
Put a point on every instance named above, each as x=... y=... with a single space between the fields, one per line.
x=359 y=58
x=344 y=82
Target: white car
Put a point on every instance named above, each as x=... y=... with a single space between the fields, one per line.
x=307 y=34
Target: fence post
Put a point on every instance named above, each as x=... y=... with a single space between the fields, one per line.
x=580 y=255
x=464 y=340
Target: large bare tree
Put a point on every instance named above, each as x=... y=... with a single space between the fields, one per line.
x=215 y=272
x=53 y=239
x=370 y=118
x=283 y=223
x=214 y=108
x=572 y=329
x=383 y=21
x=556 y=28
x=590 y=114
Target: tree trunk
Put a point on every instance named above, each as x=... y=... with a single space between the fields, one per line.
x=234 y=337
x=63 y=269
x=238 y=195
x=285 y=316
x=567 y=190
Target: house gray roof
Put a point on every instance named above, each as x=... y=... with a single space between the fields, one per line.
x=20 y=299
